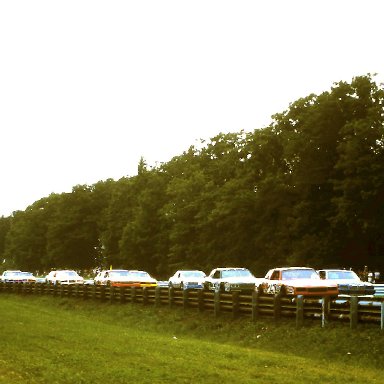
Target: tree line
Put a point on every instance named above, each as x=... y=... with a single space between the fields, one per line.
x=306 y=190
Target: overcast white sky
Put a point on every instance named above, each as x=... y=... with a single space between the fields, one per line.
x=88 y=87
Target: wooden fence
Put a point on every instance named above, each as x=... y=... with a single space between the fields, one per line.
x=351 y=309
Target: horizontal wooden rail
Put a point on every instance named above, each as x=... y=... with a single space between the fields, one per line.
x=352 y=309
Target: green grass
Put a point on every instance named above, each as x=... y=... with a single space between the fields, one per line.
x=60 y=340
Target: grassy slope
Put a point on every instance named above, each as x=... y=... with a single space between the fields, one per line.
x=53 y=340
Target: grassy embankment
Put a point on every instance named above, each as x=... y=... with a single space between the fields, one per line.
x=58 y=340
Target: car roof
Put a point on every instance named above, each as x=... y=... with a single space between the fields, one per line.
x=336 y=269
x=290 y=268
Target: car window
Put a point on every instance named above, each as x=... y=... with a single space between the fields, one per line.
x=299 y=274
x=216 y=275
x=275 y=275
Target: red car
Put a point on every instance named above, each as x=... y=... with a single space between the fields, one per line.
x=297 y=281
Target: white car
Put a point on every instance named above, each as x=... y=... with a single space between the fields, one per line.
x=125 y=278
x=6 y=276
x=17 y=277
x=187 y=279
x=64 y=276
x=348 y=281
x=231 y=279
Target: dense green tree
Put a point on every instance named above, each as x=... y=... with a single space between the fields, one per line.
x=143 y=242
x=26 y=238
x=360 y=183
x=5 y=225
x=72 y=235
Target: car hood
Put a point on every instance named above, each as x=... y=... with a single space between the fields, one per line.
x=349 y=282
x=309 y=283
x=237 y=279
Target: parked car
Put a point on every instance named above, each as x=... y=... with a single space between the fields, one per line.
x=17 y=277
x=144 y=279
x=7 y=275
x=187 y=279
x=297 y=281
x=230 y=279
x=115 y=278
x=348 y=282
x=64 y=276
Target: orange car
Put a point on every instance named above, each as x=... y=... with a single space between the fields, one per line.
x=296 y=281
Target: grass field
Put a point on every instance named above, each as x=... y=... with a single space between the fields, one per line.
x=59 y=340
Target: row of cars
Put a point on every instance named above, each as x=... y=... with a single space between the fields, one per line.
x=284 y=281
x=113 y=277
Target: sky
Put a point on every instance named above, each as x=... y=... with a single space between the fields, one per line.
x=88 y=87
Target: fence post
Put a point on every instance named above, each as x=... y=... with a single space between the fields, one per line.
x=353 y=311
x=145 y=295
x=325 y=307
x=122 y=294
x=277 y=306
x=170 y=296
x=133 y=294
x=382 y=315
x=157 y=296
x=94 y=290
x=299 y=311
x=200 y=300
x=255 y=305
x=69 y=290
x=216 y=303
x=85 y=291
x=102 y=292
x=235 y=303
x=185 y=298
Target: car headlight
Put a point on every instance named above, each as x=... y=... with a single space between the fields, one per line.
x=290 y=290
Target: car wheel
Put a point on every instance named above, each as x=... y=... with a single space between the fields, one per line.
x=217 y=287
x=227 y=287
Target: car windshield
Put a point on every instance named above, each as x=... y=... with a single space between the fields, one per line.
x=299 y=274
x=193 y=274
x=342 y=275
x=69 y=274
x=139 y=274
x=118 y=273
x=237 y=273
x=13 y=274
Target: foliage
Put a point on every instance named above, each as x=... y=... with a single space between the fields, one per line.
x=306 y=190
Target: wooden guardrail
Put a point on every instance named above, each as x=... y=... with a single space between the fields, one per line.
x=352 y=309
